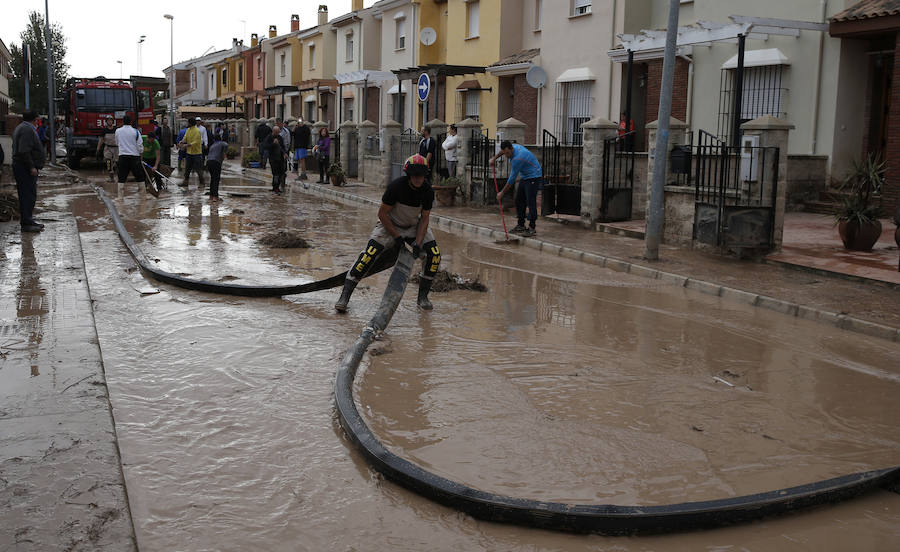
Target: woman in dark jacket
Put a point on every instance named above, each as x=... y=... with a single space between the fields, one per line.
x=323 y=153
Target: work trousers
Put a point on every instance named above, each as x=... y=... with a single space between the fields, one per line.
x=526 y=196
x=26 y=188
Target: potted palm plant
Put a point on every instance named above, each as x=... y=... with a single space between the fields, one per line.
x=857 y=217
x=336 y=173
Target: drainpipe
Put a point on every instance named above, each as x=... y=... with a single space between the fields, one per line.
x=818 y=81
x=690 y=89
x=612 y=64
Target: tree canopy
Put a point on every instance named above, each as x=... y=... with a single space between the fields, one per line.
x=33 y=35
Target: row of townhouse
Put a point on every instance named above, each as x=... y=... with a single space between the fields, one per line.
x=555 y=64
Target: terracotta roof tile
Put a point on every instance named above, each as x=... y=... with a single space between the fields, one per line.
x=523 y=56
x=868 y=9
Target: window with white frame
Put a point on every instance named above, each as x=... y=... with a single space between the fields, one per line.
x=573 y=109
x=212 y=82
x=193 y=79
x=348 y=109
x=240 y=73
x=538 y=14
x=398 y=106
x=282 y=64
x=224 y=76
x=400 y=24
x=472 y=16
x=581 y=7
x=312 y=56
x=348 y=46
x=473 y=104
x=259 y=67
x=763 y=93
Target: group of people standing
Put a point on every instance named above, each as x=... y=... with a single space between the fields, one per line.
x=278 y=146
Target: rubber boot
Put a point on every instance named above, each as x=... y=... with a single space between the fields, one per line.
x=349 y=286
x=424 y=288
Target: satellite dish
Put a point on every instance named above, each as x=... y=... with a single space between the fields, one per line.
x=536 y=77
x=427 y=36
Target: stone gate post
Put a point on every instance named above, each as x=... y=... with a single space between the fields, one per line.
x=596 y=132
x=465 y=130
x=390 y=129
x=347 y=127
x=366 y=129
x=773 y=133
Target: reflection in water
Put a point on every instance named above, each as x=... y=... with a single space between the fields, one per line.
x=31 y=307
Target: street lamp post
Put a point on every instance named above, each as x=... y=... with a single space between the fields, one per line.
x=141 y=41
x=171 y=72
x=119 y=61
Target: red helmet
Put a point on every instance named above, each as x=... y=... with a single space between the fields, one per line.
x=416 y=165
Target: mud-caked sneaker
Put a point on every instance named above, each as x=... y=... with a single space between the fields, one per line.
x=529 y=232
x=518 y=229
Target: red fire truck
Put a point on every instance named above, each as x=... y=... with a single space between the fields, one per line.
x=89 y=101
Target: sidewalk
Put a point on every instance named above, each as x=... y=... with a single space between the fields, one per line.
x=862 y=304
x=61 y=484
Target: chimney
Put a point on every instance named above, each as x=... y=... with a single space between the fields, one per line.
x=323 y=14
x=357 y=5
x=273 y=31
x=295 y=23
x=254 y=40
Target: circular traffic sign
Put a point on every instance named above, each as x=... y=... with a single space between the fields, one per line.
x=423 y=87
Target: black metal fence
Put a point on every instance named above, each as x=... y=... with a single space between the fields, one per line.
x=352 y=153
x=618 y=178
x=562 y=176
x=481 y=150
x=735 y=192
x=402 y=146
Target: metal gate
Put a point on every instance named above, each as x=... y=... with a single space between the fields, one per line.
x=353 y=153
x=402 y=146
x=482 y=189
x=618 y=179
x=562 y=177
x=335 y=147
x=736 y=188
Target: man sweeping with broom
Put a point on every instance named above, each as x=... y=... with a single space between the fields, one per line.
x=404 y=214
x=525 y=163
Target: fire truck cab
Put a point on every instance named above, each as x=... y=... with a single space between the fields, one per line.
x=87 y=104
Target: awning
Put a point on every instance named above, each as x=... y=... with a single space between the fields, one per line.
x=576 y=74
x=347 y=93
x=395 y=89
x=468 y=85
x=759 y=58
x=373 y=78
x=310 y=98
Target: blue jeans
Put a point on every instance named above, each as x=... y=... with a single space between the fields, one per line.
x=526 y=196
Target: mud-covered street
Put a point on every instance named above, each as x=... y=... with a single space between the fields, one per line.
x=563 y=381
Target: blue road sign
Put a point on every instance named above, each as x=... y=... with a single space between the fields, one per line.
x=423 y=87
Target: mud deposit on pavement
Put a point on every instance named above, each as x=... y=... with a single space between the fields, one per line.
x=565 y=382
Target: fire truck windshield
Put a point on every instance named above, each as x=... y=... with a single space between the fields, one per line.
x=103 y=99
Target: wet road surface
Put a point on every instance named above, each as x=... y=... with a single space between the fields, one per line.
x=563 y=382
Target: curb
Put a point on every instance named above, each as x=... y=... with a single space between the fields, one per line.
x=841 y=321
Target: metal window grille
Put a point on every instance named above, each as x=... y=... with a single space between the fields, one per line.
x=398 y=105
x=348 y=109
x=763 y=93
x=473 y=105
x=573 y=108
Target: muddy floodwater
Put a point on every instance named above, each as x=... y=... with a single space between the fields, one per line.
x=563 y=382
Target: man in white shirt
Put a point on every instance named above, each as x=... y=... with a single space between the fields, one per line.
x=131 y=145
x=450 y=144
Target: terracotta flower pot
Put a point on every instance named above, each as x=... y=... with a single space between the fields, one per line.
x=336 y=180
x=858 y=237
x=445 y=195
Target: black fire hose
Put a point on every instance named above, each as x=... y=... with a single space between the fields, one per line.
x=607 y=519
x=384 y=261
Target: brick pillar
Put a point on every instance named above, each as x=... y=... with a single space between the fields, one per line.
x=366 y=129
x=678 y=134
x=346 y=128
x=596 y=131
x=464 y=130
x=773 y=132
x=253 y=124
x=390 y=129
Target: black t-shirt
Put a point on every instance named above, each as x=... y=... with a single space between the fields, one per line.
x=426 y=146
x=262 y=132
x=302 y=135
x=401 y=191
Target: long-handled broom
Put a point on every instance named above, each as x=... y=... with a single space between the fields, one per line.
x=500 y=204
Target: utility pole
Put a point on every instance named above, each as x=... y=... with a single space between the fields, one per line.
x=171 y=19
x=656 y=215
x=51 y=89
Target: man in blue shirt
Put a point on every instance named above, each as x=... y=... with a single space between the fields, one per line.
x=524 y=163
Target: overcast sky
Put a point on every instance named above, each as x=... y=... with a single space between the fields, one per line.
x=101 y=32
